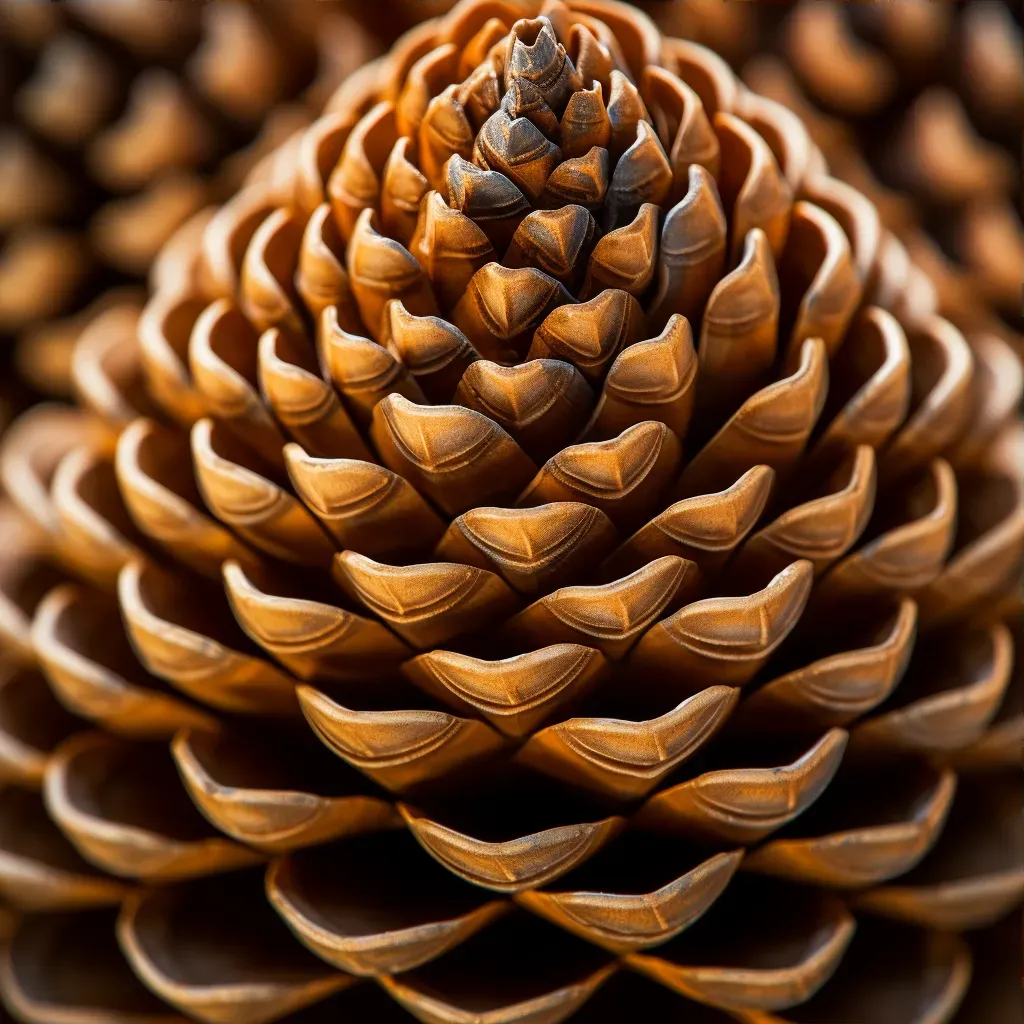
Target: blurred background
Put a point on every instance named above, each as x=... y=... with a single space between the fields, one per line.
x=122 y=120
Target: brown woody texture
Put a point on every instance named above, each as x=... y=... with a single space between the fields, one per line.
x=542 y=558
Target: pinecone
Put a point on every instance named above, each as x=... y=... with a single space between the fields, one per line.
x=122 y=120
x=541 y=542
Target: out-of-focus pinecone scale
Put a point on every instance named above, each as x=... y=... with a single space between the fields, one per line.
x=919 y=105
x=541 y=559
x=123 y=120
